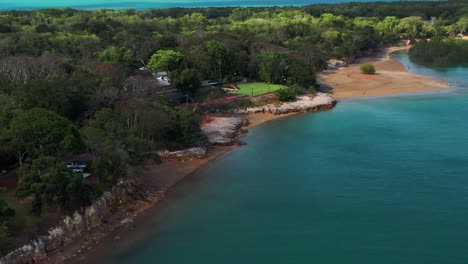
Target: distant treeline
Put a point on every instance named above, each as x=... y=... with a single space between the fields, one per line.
x=451 y=9
x=438 y=52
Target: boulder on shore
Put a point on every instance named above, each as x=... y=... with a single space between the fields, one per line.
x=334 y=63
x=303 y=103
x=222 y=130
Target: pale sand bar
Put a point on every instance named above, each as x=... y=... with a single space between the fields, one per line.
x=391 y=78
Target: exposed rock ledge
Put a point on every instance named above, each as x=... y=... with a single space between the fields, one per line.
x=222 y=130
x=218 y=130
x=82 y=223
x=303 y=103
x=335 y=64
x=197 y=153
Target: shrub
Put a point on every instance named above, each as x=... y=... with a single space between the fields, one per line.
x=286 y=94
x=368 y=68
x=297 y=89
x=190 y=132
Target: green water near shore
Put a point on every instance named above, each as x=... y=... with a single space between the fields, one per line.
x=376 y=180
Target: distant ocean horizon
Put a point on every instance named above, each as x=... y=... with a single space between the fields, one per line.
x=149 y=4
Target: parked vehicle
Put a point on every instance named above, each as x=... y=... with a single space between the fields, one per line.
x=76 y=164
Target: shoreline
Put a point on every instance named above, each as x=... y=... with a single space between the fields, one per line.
x=173 y=172
x=392 y=78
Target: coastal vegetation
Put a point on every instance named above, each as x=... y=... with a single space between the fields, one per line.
x=368 y=68
x=115 y=86
x=6 y=213
x=440 y=52
x=287 y=94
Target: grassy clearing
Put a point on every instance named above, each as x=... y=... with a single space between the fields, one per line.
x=256 y=88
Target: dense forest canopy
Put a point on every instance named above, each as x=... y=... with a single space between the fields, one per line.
x=75 y=81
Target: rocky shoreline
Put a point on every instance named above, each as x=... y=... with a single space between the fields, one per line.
x=91 y=219
x=305 y=103
x=119 y=207
x=222 y=130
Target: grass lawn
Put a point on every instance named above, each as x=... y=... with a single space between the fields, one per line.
x=258 y=88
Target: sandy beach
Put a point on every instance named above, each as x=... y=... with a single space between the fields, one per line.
x=391 y=78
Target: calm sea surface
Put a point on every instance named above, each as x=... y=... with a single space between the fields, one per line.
x=146 y=4
x=375 y=180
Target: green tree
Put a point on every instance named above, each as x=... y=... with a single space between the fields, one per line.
x=189 y=127
x=220 y=58
x=461 y=27
x=39 y=131
x=6 y=213
x=199 y=59
x=273 y=67
x=186 y=81
x=8 y=109
x=113 y=54
x=50 y=182
x=69 y=98
x=332 y=21
x=286 y=94
x=411 y=27
x=388 y=28
x=165 y=59
x=301 y=74
x=332 y=38
x=174 y=128
x=116 y=148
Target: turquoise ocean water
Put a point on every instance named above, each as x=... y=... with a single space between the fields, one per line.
x=375 y=180
x=146 y=4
